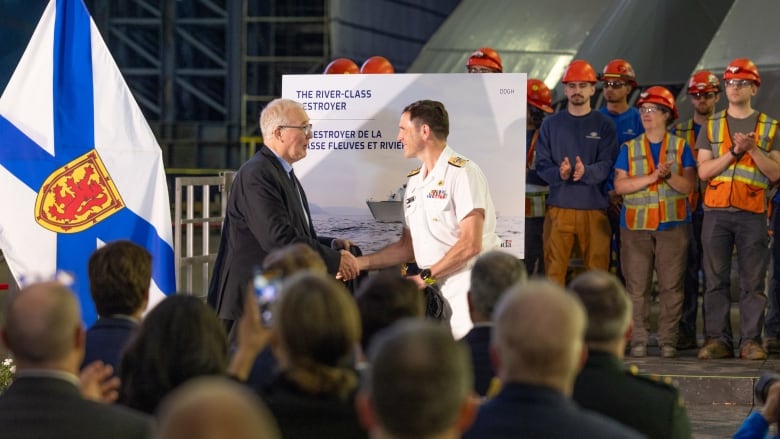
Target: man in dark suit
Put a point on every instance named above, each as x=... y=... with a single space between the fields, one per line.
x=267 y=209
x=492 y=274
x=120 y=273
x=538 y=348
x=43 y=331
x=651 y=407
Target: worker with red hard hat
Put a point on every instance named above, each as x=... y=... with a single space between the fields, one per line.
x=739 y=159
x=654 y=173
x=377 y=64
x=341 y=66
x=484 y=60
x=703 y=90
x=574 y=155
x=539 y=101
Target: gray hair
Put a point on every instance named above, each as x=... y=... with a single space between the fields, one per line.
x=606 y=303
x=275 y=114
x=492 y=274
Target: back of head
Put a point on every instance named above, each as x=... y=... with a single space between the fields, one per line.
x=419 y=379
x=215 y=407
x=538 y=335
x=606 y=303
x=431 y=113
x=293 y=258
x=41 y=325
x=275 y=114
x=318 y=326
x=120 y=273
x=493 y=273
x=180 y=339
x=384 y=299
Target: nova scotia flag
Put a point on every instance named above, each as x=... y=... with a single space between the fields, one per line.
x=79 y=166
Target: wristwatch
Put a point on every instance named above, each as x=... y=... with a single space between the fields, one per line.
x=425 y=275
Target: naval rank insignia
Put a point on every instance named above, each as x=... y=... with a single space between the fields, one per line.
x=77 y=196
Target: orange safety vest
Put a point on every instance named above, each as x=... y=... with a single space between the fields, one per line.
x=646 y=209
x=741 y=184
x=687 y=131
x=536 y=198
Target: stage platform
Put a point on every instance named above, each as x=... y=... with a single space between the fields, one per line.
x=718 y=393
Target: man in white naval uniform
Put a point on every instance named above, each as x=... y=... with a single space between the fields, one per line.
x=448 y=212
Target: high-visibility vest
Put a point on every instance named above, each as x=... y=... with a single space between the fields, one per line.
x=687 y=131
x=658 y=203
x=741 y=184
x=535 y=195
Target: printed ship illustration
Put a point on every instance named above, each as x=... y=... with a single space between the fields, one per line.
x=390 y=210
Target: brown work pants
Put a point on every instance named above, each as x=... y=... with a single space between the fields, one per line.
x=562 y=226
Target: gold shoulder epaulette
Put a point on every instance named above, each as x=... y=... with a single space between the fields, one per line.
x=457 y=161
x=413 y=172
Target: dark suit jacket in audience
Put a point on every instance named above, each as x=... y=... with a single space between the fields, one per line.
x=523 y=411
x=478 y=340
x=51 y=407
x=106 y=339
x=651 y=407
x=304 y=416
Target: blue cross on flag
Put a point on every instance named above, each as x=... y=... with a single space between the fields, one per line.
x=79 y=165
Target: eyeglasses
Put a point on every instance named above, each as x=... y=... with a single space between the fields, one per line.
x=305 y=128
x=708 y=95
x=480 y=69
x=738 y=83
x=614 y=84
x=653 y=109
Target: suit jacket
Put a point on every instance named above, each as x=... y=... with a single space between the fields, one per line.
x=523 y=411
x=651 y=407
x=44 y=407
x=264 y=213
x=478 y=340
x=106 y=339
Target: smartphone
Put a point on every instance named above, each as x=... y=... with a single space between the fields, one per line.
x=266 y=287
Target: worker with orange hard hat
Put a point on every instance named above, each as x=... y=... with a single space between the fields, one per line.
x=377 y=64
x=484 y=60
x=539 y=101
x=740 y=160
x=654 y=173
x=341 y=66
x=703 y=90
x=575 y=152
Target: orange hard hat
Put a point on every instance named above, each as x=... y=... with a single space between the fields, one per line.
x=539 y=95
x=341 y=65
x=579 y=71
x=485 y=57
x=377 y=64
x=742 y=68
x=660 y=96
x=703 y=81
x=619 y=69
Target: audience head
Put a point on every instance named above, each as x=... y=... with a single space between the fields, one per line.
x=384 y=299
x=607 y=306
x=215 y=407
x=419 y=383
x=180 y=339
x=43 y=328
x=294 y=258
x=538 y=336
x=120 y=273
x=493 y=273
x=317 y=327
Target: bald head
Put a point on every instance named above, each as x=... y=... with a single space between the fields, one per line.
x=215 y=407
x=538 y=335
x=43 y=324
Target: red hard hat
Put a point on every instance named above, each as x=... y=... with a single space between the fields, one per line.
x=660 y=96
x=539 y=95
x=703 y=81
x=341 y=65
x=485 y=57
x=377 y=64
x=579 y=71
x=742 y=68
x=619 y=69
